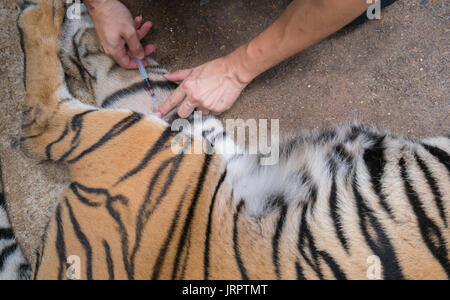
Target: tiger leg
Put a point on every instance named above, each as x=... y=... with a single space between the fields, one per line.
x=40 y=26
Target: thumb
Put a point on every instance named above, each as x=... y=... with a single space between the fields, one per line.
x=178 y=75
x=134 y=45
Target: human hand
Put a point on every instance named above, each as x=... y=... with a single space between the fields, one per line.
x=212 y=87
x=118 y=33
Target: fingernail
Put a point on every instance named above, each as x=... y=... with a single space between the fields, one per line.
x=158 y=115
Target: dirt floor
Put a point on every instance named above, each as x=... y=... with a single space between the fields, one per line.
x=392 y=73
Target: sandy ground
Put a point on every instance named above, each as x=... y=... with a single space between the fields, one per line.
x=391 y=73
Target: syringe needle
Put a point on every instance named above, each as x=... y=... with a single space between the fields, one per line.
x=148 y=83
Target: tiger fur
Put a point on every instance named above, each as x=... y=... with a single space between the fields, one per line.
x=337 y=201
x=12 y=262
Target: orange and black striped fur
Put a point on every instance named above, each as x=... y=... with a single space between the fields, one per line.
x=340 y=204
x=12 y=263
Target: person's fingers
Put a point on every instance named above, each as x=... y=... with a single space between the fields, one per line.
x=143 y=30
x=133 y=43
x=123 y=59
x=174 y=99
x=133 y=64
x=149 y=49
x=137 y=22
x=186 y=109
x=178 y=75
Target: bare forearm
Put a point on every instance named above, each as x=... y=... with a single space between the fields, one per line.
x=304 y=23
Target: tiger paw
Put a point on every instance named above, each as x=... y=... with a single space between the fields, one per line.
x=40 y=22
x=34 y=124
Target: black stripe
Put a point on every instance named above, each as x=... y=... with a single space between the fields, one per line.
x=117 y=130
x=152 y=202
x=440 y=154
x=276 y=240
x=53 y=11
x=129 y=91
x=22 y=45
x=326 y=136
x=299 y=269
x=313 y=197
x=48 y=149
x=375 y=160
x=306 y=239
x=2 y=199
x=79 y=67
x=120 y=228
x=6 y=234
x=163 y=251
x=25 y=5
x=134 y=89
x=380 y=244
x=60 y=244
x=77 y=61
x=237 y=253
x=37 y=264
x=336 y=216
x=156 y=148
x=337 y=271
x=110 y=203
x=75 y=187
x=77 y=126
x=83 y=240
x=6 y=253
x=190 y=216
x=24 y=271
x=186 y=258
x=206 y=260
x=343 y=154
x=434 y=188
x=109 y=260
x=25 y=138
x=431 y=233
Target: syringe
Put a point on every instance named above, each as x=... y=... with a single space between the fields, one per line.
x=148 y=83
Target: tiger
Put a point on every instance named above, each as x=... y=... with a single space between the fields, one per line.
x=13 y=264
x=346 y=203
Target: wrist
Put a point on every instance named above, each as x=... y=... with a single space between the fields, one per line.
x=241 y=65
